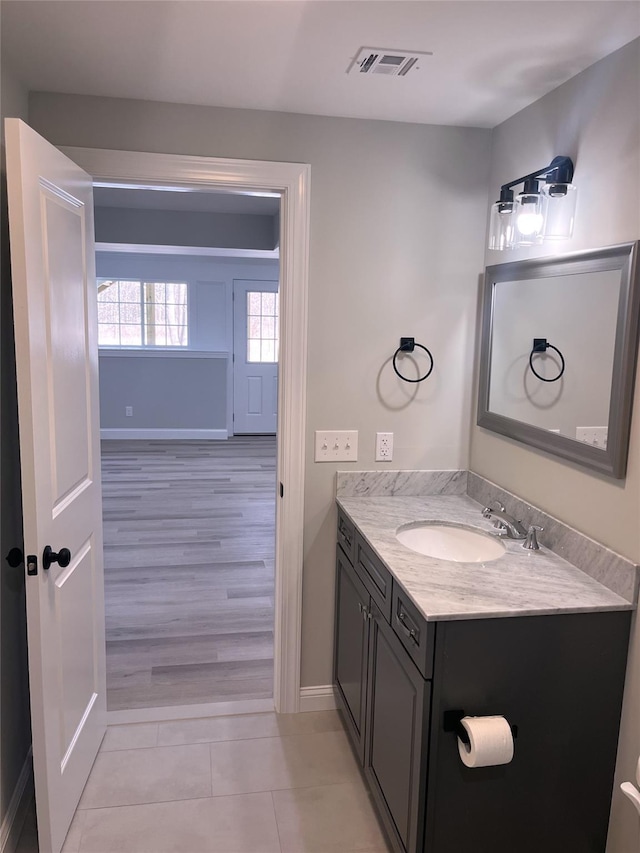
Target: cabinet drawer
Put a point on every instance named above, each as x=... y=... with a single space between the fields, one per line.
x=413 y=631
x=376 y=577
x=346 y=536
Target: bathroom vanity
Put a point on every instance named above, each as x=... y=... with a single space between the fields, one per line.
x=421 y=642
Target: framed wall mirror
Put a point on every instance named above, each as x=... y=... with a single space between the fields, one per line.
x=558 y=354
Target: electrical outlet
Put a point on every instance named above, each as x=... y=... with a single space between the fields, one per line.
x=384 y=446
x=336 y=445
x=128 y=411
x=597 y=436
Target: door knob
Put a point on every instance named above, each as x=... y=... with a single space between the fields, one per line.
x=62 y=558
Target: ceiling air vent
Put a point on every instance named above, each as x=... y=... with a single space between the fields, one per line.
x=380 y=60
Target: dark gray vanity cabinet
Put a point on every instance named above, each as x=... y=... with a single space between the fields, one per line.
x=557 y=679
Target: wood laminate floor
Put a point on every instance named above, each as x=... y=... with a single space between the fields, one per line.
x=189 y=544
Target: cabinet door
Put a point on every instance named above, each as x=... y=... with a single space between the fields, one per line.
x=351 y=649
x=559 y=679
x=395 y=755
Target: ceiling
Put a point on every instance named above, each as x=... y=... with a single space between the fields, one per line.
x=200 y=202
x=490 y=59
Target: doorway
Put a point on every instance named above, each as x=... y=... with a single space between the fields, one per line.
x=187 y=347
x=290 y=181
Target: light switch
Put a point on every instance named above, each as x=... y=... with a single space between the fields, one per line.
x=336 y=445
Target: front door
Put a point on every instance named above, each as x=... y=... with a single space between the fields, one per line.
x=54 y=295
x=255 y=356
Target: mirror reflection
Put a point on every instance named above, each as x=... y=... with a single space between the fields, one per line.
x=565 y=386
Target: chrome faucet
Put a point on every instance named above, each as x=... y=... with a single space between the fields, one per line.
x=505 y=524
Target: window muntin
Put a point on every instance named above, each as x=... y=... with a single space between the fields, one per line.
x=263 y=327
x=142 y=314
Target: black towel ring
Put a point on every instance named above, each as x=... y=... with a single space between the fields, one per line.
x=408 y=345
x=541 y=345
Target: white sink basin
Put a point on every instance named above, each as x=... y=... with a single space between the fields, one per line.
x=450 y=542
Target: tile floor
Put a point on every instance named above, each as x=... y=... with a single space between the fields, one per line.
x=256 y=783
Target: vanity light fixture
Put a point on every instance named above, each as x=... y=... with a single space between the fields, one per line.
x=535 y=215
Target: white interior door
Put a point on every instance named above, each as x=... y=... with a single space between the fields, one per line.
x=52 y=255
x=256 y=333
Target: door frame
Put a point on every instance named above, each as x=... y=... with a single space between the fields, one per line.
x=291 y=181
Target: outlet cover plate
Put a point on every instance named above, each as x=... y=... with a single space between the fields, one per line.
x=334 y=445
x=597 y=436
x=384 y=446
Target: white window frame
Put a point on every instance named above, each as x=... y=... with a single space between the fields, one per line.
x=143 y=323
x=291 y=181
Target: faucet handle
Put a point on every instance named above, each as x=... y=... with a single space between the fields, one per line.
x=531 y=542
x=489 y=510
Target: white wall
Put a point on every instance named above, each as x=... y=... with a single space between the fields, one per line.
x=15 y=731
x=191 y=389
x=595 y=119
x=397 y=222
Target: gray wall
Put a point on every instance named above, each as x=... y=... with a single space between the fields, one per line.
x=396 y=249
x=184 y=228
x=15 y=732
x=190 y=389
x=594 y=118
x=166 y=392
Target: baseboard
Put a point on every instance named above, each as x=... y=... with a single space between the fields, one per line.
x=318 y=698
x=165 y=434
x=189 y=712
x=14 y=818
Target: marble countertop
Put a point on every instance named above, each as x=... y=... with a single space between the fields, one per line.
x=520 y=583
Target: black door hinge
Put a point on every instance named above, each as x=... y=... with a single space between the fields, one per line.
x=281 y=490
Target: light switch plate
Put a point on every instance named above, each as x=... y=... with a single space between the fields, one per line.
x=336 y=445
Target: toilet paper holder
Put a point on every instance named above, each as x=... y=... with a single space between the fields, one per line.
x=451 y=722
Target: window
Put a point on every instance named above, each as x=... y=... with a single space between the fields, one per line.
x=142 y=313
x=262 y=326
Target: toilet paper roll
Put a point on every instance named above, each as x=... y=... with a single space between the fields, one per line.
x=490 y=741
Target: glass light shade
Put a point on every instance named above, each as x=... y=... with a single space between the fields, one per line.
x=560 y=210
x=530 y=217
x=502 y=226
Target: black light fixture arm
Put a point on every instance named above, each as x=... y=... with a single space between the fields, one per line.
x=559 y=171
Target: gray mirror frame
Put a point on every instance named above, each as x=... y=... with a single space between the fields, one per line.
x=624 y=257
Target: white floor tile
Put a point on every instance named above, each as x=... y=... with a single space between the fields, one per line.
x=243 y=824
x=267 y=764
x=136 y=736
x=246 y=726
x=158 y=774
x=328 y=819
